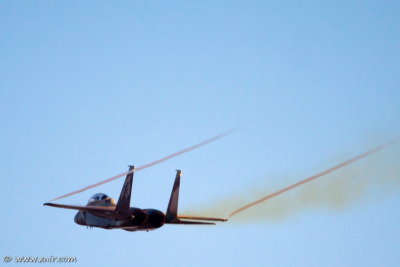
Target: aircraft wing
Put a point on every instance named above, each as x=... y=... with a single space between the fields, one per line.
x=82 y=208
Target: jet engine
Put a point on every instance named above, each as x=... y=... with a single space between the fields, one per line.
x=139 y=216
x=155 y=218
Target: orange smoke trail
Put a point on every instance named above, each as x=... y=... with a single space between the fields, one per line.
x=203 y=143
x=335 y=168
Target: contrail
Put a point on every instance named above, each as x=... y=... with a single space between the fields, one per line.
x=316 y=176
x=173 y=155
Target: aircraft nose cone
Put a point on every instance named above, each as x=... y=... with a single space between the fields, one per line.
x=79 y=218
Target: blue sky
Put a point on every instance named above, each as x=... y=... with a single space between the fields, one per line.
x=87 y=88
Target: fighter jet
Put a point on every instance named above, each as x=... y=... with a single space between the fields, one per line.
x=103 y=212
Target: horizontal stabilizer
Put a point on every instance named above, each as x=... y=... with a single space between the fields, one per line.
x=202 y=218
x=191 y=222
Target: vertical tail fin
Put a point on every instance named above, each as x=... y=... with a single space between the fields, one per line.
x=172 y=210
x=124 y=200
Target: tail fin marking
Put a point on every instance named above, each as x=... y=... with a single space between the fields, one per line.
x=172 y=210
x=124 y=199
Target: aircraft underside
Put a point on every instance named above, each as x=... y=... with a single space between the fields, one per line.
x=91 y=220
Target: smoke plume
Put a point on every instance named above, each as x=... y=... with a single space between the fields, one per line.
x=373 y=174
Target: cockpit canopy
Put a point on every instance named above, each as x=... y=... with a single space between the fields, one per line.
x=98 y=197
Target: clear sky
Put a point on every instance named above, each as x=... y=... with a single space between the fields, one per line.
x=88 y=87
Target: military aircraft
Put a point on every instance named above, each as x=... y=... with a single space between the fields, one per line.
x=103 y=212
